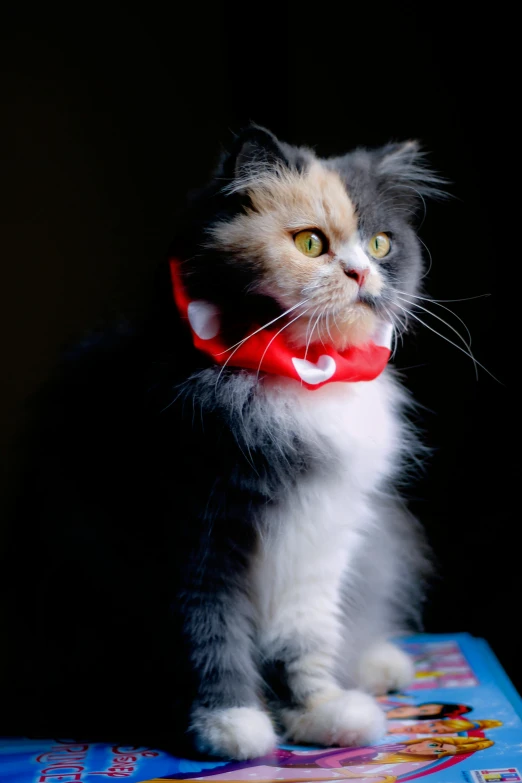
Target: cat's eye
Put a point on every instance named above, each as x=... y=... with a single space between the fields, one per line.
x=379 y=245
x=310 y=243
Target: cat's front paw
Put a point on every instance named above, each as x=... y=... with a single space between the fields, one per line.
x=344 y=718
x=237 y=732
x=385 y=667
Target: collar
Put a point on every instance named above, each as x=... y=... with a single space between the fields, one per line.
x=267 y=352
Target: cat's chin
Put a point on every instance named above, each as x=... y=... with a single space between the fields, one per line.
x=354 y=327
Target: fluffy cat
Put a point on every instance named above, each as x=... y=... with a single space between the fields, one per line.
x=214 y=553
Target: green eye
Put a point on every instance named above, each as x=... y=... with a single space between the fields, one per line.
x=310 y=243
x=379 y=245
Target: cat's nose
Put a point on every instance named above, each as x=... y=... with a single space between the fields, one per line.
x=359 y=275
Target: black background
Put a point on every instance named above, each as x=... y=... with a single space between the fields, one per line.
x=108 y=118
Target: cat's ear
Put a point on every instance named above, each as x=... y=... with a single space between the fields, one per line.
x=398 y=154
x=254 y=149
x=404 y=166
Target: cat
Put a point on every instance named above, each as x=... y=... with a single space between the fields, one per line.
x=214 y=553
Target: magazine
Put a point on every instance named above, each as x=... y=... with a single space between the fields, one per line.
x=460 y=720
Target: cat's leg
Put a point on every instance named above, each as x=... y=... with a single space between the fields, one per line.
x=382 y=597
x=226 y=718
x=297 y=581
x=214 y=496
x=301 y=646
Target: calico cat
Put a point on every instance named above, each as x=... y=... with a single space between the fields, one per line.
x=209 y=547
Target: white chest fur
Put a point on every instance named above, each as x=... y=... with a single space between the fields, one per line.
x=313 y=535
x=358 y=422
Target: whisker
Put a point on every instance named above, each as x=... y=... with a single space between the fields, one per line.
x=425 y=309
x=458 y=347
x=402 y=321
x=428 y=299
x=395 y=332
x=312 y=333
x=426 y=273
x=395 y=341
x=414 y=367
x=398 y=330
x=335 y=322
x=461 y=338
x=251 y=335
x=273 y=338
x=319 y=333
x=320 y=283
x=238 y=344
x=328 y=327
x=309 y=326
x=444 y=308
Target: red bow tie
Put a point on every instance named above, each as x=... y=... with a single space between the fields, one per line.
x=266 y=351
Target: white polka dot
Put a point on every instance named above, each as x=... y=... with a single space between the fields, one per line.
x=204 y=318
x=315 y=373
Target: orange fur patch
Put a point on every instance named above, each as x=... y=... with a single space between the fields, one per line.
x=284 y=202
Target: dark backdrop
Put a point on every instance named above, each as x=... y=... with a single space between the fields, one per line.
x=108 y=118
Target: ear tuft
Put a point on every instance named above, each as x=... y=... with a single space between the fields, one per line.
x=255 y=149
x=404 y=164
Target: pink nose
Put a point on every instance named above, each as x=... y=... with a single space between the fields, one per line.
x=359 y=275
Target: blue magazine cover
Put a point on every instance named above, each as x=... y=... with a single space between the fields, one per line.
x=461 y=720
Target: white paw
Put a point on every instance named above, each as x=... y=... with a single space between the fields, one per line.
x=348 y=718
x=384 y=667
x=238 y=732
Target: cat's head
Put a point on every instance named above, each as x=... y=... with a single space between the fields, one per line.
x=331 y=241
